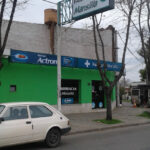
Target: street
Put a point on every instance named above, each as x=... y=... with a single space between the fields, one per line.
x=137 y=138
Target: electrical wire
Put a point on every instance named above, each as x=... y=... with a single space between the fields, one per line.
x=128 y=48
x=50 y=2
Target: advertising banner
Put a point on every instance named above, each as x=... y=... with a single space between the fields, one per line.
x=66 y=61
x=86 y=8
x=92 y=64
x=33 y=58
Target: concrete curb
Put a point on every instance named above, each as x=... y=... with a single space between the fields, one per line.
x=108 y=128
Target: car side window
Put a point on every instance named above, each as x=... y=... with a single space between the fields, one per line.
x=38 y=111
x=15 y=113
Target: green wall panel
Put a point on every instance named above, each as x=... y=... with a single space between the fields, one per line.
x=39 y=83
x=34 y=83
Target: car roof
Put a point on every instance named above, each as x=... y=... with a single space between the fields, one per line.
x=23 y=103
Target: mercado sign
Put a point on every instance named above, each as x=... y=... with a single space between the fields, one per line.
x=66 y=61
x=86 y=8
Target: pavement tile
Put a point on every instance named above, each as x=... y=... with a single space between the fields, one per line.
x=83 y=122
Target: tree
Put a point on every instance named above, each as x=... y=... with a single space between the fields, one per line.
x=142 y=74
x=124 y=82
x=108 y=85
x=145 y=54
x=142 y=25
x=145 y=40
x=7 y=5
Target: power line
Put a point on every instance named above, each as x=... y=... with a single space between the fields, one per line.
x=50 y=2
x=132 y=25
x=128 y=48
x=131 y=69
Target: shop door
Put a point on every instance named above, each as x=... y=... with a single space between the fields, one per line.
x=97 y=95
x=70 y=92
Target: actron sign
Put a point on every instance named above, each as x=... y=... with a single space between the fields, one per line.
x=66 y=61
x=86 y=8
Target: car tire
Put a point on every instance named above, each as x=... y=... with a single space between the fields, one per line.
x=53 y=137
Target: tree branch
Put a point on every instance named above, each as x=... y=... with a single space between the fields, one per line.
x=8 y=28
x=103 y=51
x=1 y=20
x=96 y=52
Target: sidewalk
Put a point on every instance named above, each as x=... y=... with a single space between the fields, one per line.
x=81 y=123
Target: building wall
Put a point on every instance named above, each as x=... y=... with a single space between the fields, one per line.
x=74 y=42
x=39 y=82
x=28 y=37
x=80 y=43
x=34 y=83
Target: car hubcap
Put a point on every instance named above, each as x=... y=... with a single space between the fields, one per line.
x=53 y=137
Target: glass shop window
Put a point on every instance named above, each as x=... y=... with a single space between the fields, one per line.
x=70 y=91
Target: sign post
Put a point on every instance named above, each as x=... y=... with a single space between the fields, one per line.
x=58 y=68
x=58 y=60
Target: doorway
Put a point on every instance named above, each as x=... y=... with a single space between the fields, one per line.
x=97 y=95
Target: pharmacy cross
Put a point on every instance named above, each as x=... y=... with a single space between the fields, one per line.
x=87 y=63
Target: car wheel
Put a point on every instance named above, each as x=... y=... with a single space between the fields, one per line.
x=53 y=137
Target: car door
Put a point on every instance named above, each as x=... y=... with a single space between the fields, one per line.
x=16 y=127
x=42 y=119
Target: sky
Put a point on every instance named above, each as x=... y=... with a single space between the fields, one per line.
x=34 y=12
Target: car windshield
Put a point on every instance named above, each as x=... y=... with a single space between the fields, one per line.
x=1 y=108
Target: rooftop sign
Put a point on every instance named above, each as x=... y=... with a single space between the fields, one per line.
x=86 y=8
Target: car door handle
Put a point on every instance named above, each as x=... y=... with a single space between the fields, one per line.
x=28 y=122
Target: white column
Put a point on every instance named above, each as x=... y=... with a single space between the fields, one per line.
x=58 y=68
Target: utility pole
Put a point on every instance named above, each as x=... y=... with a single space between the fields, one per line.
x=58 y=59
x=58 y=67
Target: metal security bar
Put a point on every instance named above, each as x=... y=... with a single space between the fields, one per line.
x=64 y=14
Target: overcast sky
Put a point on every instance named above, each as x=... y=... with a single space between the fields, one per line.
x=34 y=12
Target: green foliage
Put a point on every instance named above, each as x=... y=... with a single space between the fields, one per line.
x=113 y=121
x=145 y=114
x=145 y=54
x=122 y=91
x=142 y=74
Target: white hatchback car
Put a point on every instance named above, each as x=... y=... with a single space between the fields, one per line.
x=30 y=122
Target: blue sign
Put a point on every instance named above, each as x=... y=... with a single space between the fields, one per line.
x=46 y=59
x=68 y=61
x=67 y=100
x=92 y=64
x=33 y=58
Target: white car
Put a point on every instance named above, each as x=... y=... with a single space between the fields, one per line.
x=31 y=122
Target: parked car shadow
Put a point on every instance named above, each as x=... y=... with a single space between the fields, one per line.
x=31 y=146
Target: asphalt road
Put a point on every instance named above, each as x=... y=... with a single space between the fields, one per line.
x=132 y=138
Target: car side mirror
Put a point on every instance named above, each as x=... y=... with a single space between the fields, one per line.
x=1 y=120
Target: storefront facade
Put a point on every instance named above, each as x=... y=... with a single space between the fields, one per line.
x=23 y=81
x=36 y=80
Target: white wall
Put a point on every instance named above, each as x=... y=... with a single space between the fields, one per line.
x=80 y=43
x=75 y=42
x=28 y=37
